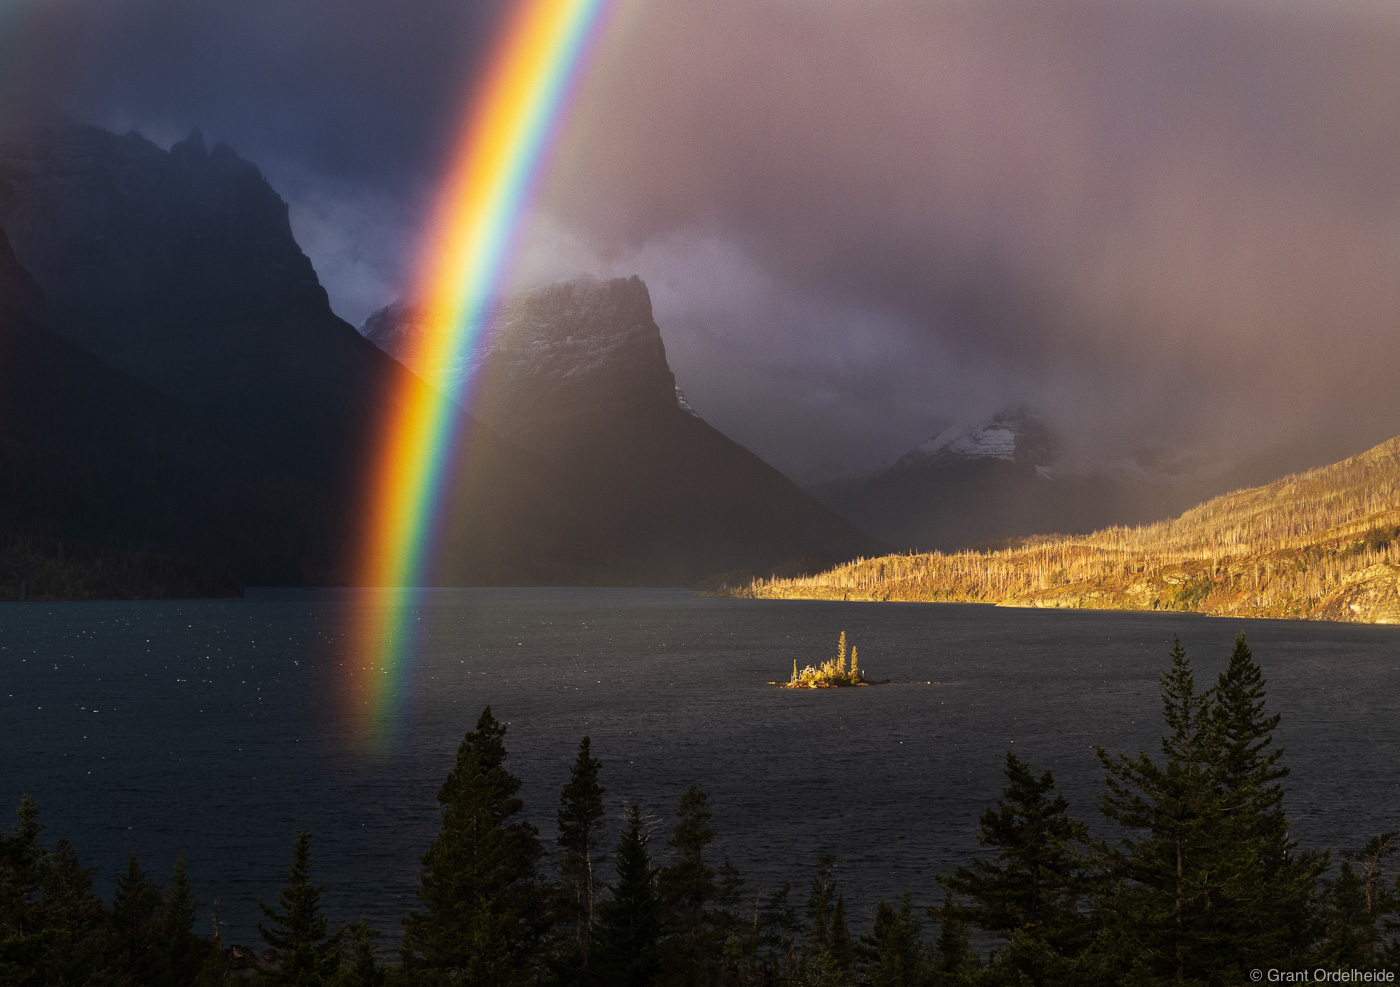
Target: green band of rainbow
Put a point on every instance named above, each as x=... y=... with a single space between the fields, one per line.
x=490 y=185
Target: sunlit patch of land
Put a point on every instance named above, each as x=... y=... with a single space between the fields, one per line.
x=835 y=673
x=1321 y=545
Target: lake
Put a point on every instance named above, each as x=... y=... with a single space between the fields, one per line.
x=215 y=727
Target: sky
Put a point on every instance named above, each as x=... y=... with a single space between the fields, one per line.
x=1159 y=223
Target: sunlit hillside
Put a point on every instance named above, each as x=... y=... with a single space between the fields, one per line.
x=1321 y=545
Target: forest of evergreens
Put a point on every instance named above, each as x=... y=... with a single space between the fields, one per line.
x=1202 y=884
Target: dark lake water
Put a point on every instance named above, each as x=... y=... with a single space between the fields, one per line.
x=213 y=728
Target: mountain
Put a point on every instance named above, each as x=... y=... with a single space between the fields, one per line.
x=1320 y=545
x=985 y=482
x=183 y=316
x=106 y=488
x=206 y=402
x=576 y=373
x=180 y=269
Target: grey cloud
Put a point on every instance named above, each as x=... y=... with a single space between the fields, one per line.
x=1170 y=222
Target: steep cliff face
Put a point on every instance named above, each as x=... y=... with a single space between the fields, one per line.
x=180 y=269
x=576 y=373
x=552 y=358
x=187 y=321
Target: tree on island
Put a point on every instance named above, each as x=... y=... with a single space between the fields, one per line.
x=482 y=917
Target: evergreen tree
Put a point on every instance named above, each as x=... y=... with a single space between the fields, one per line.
x=760 y=931
x=894 y=953
x=1357 y=907
x=1160 y=915
x=1214 y=886
x=296 y=929
x=691 y=951
x=1030 y=892
x=134 y=926
x=628 y=935
x=364 y=968
x=482 y=913
x=580 y=838
x=22 y=862
x=1349 y=928
x=954 y=963
x=1265 y=908
x=828 y=954
x=73 y=922
x=181 y=952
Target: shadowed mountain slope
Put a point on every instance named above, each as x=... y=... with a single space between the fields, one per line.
x=197 y=393
x=576 y=373
x=89 y=453
x=1318 y=545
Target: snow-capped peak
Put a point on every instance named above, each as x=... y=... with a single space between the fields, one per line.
x=1008 y=435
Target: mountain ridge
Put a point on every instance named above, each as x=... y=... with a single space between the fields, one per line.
x=1319 y=545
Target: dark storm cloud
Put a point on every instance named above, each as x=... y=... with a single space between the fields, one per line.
x=1174 y=221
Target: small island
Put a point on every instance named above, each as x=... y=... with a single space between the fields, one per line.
x=833 y=674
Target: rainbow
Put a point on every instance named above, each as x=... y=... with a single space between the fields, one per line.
x=518 y=102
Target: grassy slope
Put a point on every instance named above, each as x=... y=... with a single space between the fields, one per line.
x=1321 y=545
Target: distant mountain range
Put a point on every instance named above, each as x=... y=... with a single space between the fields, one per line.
x=1324 y=545
x=177 y=384
x=985 y=482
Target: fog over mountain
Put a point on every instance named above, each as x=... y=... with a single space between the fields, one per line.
x=1170 y=224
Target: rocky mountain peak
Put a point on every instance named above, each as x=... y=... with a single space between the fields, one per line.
x=582 y=347
x=1014 y=435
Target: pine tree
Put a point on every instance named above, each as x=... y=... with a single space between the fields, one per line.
x=182 y=952
x=1030 y=892
x=580 y=838
x=954 y=962
x=1357 y=907
x=894 y=953
x=841 y=653
x=22 y=862
x=364 y=968
x=1214 y=886
x=482 y=913
x=134 y=926
x=296 y=929
x=691 y=951
x=73 y=921
x=1160 y=916
x=1348 y=938
x=828 y=954
x=628 y=935
x=1265 y=907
